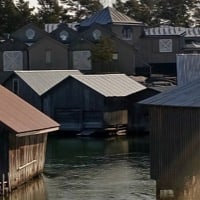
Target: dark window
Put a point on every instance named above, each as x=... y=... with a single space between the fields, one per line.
x=16 y=86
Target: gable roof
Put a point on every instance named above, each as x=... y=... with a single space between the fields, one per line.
x=64 y=27
x=50 y=39
x=32 y=26
x=111 y=85
x=107 y=16
x=187 y=95
x=21 y=117
x=43 y=80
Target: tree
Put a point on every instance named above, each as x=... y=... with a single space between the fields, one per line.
x=79 y=9
x=143 y=10
x=176 y=12
x=49 y=11
x=25 y=13
x=157 y=12
x=102 y=54
x=8 y=16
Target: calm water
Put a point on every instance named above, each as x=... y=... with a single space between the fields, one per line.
x=92 y=169
x=98 y=169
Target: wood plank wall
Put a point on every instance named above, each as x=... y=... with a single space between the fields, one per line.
x=26 y=157
x=174 y=142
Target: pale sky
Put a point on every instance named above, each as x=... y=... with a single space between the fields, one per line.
x=32 y=3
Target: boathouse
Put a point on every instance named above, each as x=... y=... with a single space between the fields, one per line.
x=32 y=85
x=174 y=134
x=23 y=137
x=98 y=102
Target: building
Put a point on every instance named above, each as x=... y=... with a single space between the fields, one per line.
x=174 y=135
x=23 y=137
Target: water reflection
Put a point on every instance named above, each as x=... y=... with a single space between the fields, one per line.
x=34 y=189
x=185 y=184
x=88 y=168
x=106 y=169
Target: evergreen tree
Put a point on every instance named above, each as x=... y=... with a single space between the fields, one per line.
x=8 y=16
x=25 y=13
x=79 y=9
x=143 y=10
x=102 y=54
x=176 y=12
x=49 y=11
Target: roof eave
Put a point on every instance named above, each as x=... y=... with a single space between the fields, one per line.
x=38 y=132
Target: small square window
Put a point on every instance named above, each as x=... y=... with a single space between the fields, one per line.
x=115 y=56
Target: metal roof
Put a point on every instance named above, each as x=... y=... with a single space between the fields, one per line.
x=187 y=95
x=111 y=85
x=164 y=30
x=171 y=30
x=43 y=80
x=21 y=117
x=106 y=16
x=192 y=32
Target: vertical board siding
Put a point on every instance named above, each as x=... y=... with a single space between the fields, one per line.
x=26 y=157
x=175 y=138
x=188 y=66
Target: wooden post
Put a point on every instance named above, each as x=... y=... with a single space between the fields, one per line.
x=9 y=186
x=3 y=188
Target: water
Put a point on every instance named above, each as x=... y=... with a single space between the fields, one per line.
x=92 y=169
x=98 y=169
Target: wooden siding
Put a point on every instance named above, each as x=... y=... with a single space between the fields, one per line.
x=25 y=92
x=175 y=139
x=187 y=68
x=26 y=157
x=3 y=152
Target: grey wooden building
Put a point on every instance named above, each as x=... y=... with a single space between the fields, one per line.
x=23 y=137
x=92 y=102
x=32 y=85
x=174 y=135
x=188 y=68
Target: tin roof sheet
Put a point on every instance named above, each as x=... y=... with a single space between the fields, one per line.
x=172 y=30
x=111 y=85
x=187 y=95
x=20 y=116
x=43 y=80
x=164 y=30
x=106 y=16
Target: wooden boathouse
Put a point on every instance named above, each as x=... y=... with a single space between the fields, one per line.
x=174 y=135
x=92 y=102
x=23 y=137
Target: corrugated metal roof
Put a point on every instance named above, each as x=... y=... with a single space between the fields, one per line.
x=171 y=30
x=108 y=15
x=20 y=116
x=164 y=30
x=187 y=95
x=111 y=85
x=43 y=80
x=192 y=32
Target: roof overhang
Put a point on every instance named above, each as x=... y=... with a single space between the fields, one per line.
x=38 y=132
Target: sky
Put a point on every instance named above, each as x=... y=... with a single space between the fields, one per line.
x=32 y=3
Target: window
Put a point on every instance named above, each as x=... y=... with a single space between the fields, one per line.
x=127 y=33
x=48 y=56
x=115 y=56
x=16 y=86
x=165 y=45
